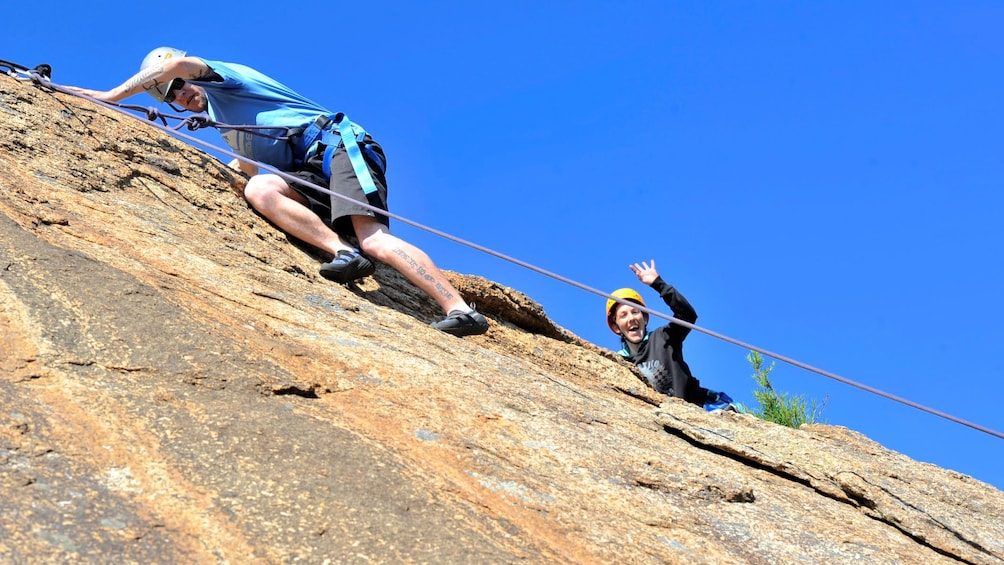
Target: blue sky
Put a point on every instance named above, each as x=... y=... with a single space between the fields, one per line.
x=821 y=180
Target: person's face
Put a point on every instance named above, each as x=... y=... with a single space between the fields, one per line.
x=630 y=323
x=190 y=97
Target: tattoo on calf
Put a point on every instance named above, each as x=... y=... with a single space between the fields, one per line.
x=423 y=273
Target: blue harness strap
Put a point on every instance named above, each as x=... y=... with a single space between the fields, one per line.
x=350 y=137
x=333 y=132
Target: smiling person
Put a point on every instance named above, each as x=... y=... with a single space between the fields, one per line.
x=324 y=148
x=659 y=354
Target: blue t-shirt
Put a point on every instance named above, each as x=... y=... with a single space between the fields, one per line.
x=247 y=97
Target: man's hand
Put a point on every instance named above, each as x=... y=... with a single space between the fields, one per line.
x=248 y=168
x=96 y=94
x=238 y=183
x=646 y=273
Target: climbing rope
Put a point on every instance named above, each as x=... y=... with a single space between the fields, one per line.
x=42 y=73
x=21 y=72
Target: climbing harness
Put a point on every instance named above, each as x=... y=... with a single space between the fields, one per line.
x=41 y=74
x=328 y=132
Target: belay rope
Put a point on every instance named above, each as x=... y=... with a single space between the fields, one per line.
x=14 y=69
x=40 y=75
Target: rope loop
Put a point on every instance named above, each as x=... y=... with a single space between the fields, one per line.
x=153 y=113
x=198 y=121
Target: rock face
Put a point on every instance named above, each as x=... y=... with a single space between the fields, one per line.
x=179 y=385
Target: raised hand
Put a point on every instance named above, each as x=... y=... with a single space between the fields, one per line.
x=646 y=273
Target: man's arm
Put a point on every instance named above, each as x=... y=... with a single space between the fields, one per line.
x=187 y=68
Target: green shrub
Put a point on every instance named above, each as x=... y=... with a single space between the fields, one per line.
x=779 y=407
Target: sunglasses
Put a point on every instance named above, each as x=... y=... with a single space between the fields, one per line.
x=175 y=85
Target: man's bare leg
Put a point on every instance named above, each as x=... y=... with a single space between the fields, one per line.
x=271 y=196
x=377 y=242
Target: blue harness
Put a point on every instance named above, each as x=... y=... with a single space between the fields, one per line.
x=330 y=132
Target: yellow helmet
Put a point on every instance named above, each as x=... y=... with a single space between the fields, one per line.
x=624 y=294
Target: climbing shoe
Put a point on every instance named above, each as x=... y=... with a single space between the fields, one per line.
x=460 y=323
x=347 y=266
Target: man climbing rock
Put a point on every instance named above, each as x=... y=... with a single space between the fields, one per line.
x=324 y=148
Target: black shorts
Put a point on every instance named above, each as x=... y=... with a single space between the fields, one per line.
x=336 y=211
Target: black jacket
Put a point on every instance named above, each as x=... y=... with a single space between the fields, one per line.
x=660 y=354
